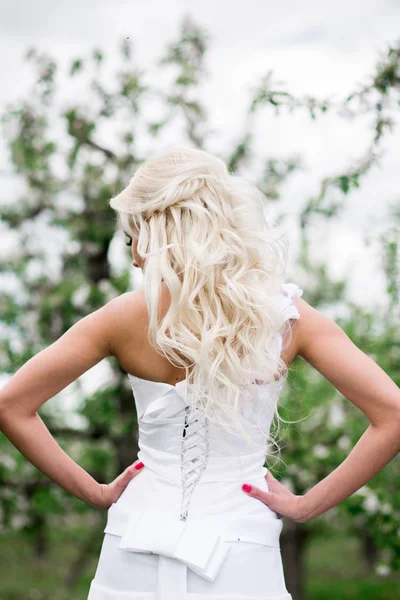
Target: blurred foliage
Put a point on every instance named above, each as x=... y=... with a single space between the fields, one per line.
x=68 y=173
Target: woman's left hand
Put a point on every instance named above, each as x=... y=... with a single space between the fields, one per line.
x=280 y=499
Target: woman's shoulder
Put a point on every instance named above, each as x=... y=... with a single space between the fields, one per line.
x=130 y=316
x=127 y=303
x=308 y=324
x=125 y=312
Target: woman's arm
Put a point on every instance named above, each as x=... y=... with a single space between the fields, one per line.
x=322 y=343
x=84 y=345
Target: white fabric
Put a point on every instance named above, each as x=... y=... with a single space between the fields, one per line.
x=251 y=572
x=183 y=528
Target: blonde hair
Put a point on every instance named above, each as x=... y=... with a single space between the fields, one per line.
x=204 y=232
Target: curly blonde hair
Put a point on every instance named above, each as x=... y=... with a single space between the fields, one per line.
x=206 y=233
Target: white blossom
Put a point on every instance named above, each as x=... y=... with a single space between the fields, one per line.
x=80 y=296
x=108 y=289
x=288 y=484
x=386 y=508
x=34 y=269
x=344 y=442
x=73 y=247
x=7 y=461
x=336 y=415
x=382 y=570
x=18 y=521
x=7 y=493
x=320 y=451
x=371 y=503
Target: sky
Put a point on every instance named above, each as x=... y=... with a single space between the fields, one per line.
x=319 y=48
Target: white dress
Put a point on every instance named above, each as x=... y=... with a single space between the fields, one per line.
x=184 y=529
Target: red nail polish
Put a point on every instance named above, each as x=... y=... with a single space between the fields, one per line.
x=139 y=465
x=246 y=487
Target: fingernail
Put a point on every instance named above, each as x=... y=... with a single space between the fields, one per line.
x=139 y=465
x=246 y=487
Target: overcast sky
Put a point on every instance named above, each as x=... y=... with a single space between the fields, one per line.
x=314 y=47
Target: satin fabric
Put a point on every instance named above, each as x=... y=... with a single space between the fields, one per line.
x=149 y=551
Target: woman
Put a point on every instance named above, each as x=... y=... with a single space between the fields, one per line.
x=206 y=345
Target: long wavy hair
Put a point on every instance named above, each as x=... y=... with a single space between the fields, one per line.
x=208 y=235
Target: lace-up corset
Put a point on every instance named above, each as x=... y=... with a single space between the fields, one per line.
x=194 y=455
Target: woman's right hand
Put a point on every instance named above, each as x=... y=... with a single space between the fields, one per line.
x=109 y=493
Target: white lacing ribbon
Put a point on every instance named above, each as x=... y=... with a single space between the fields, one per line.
x=194 y=454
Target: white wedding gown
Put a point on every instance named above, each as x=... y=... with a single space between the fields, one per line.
x=184 y=529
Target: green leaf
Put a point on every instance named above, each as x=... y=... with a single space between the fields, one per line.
x=76 y=66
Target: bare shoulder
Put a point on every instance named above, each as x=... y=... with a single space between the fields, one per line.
x=124 y=315
x=312 y=330
x=325 y=345
x=311 y=324
x=125 y=304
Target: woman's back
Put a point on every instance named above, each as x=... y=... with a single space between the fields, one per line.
x=187 y=506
